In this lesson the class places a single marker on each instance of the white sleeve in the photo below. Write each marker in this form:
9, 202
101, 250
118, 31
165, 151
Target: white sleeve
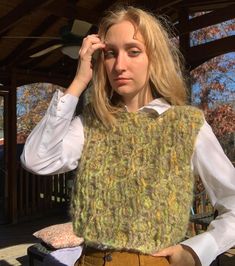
55, 144
218, 176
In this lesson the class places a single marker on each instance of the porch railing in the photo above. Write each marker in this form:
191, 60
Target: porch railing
42, 195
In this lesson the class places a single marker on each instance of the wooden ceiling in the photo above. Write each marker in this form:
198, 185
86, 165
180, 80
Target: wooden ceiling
27, 27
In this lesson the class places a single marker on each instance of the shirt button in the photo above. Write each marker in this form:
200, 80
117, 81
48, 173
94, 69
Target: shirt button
108, 257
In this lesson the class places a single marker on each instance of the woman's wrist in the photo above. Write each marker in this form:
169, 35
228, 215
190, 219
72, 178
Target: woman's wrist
193, 254
76, 87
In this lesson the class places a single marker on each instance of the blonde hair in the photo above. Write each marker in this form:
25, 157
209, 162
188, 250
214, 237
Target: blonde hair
165, 75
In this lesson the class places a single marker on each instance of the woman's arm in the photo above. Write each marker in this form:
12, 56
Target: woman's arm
218, 176
55, 144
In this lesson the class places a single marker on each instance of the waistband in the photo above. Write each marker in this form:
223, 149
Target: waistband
123, 257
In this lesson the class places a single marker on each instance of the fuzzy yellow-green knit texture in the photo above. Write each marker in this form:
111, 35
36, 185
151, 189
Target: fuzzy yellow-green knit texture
134, 186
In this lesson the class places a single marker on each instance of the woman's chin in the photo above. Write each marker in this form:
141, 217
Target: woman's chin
125, 91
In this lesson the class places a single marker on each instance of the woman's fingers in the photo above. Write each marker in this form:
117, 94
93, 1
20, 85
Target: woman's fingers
164, 252
89, 51
179, 255
90, 44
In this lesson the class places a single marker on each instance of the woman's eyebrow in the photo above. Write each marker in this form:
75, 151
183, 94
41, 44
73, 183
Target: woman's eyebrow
128, 44
134, 44
110, 45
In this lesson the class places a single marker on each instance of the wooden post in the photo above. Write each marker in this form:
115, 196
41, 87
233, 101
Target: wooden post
19, 78
184, 43
184, 38
12, 166
4, 92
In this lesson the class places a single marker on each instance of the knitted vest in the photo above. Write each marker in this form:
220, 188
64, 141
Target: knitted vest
134, 185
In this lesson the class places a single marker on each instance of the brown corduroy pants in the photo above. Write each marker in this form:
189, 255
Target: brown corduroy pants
93, 257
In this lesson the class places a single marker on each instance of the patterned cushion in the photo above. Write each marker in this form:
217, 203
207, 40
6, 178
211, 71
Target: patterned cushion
59, 236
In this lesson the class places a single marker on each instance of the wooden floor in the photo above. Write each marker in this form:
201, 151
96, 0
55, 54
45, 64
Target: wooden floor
14, 240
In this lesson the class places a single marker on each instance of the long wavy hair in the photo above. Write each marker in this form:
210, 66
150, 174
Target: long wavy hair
164, 71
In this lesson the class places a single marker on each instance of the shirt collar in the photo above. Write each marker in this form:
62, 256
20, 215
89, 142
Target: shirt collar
160, 105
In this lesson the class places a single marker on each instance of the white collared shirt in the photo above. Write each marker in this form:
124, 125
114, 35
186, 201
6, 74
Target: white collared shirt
56, 143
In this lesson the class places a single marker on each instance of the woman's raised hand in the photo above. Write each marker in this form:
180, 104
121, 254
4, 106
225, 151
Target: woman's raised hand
90, 44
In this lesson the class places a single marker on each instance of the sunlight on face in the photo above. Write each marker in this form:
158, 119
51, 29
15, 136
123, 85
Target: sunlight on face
125, 59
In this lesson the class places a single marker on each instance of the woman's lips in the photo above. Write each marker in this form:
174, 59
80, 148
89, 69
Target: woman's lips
121, 81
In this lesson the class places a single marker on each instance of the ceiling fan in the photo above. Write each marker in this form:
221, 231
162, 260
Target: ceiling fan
70, 39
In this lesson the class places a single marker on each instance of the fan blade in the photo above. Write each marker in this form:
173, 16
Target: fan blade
71, 51
80, 27
47, 50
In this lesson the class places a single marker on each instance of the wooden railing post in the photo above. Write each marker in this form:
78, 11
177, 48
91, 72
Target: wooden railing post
12, 162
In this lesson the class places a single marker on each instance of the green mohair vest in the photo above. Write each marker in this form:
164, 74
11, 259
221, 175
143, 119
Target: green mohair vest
134, 186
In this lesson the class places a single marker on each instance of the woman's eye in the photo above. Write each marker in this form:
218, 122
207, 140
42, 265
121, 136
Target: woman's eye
109, 54
134, 52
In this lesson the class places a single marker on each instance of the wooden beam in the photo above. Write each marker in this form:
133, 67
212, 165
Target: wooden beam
64, 65
189, 3
104, 5
65, 9
198, 6
24, 45
161, 4
206, 20
32, 63
184, 43
60, 62
12, 166
23, 77
199, 54
19, 12
71, 11
184, 39
4, 92
4, 33
212, 18
5, 77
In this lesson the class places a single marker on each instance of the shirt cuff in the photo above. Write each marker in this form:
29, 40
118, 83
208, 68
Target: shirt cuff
205, 246
62, 105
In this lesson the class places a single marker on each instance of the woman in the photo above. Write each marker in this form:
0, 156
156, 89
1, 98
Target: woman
138, 147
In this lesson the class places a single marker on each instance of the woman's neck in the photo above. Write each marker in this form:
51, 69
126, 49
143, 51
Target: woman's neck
134, 103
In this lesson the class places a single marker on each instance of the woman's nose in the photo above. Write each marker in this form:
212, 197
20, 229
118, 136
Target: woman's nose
121, 63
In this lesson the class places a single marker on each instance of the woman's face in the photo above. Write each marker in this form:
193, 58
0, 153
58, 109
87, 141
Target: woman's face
125, 60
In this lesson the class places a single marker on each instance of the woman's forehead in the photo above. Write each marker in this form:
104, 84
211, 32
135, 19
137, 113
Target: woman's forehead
124, 30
